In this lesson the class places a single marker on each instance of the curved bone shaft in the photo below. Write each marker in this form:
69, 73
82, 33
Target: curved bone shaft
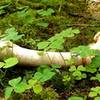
33, 58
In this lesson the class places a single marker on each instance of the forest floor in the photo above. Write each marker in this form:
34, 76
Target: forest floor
37, 21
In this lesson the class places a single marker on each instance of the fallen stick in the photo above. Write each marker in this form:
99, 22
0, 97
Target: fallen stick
27, 57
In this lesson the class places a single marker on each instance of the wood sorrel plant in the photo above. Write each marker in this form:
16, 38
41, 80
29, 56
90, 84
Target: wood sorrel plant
43, 74
56, 42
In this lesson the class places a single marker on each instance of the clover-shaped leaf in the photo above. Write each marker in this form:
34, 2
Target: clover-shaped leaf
72, 68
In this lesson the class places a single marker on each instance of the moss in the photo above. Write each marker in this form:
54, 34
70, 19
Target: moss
94, 9
49, 94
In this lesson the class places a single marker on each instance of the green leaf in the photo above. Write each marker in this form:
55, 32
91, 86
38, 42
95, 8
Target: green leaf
78, 78
54, 38
81, 68
84, 51
66, 78
76, 31
32, 82
91, 69
92, 94
15, 81
67, 33
18, 85
8, 92
43, 45
12, 34
75, 98
93, 78
97, 77
38, 76
77, 73
97, 98
55, 66
47, 75
47, 12
10, 30
10, 62
84, 75
96, 89
44, 75
72, 68
95, 61
57, 44
37, 88
21, 87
